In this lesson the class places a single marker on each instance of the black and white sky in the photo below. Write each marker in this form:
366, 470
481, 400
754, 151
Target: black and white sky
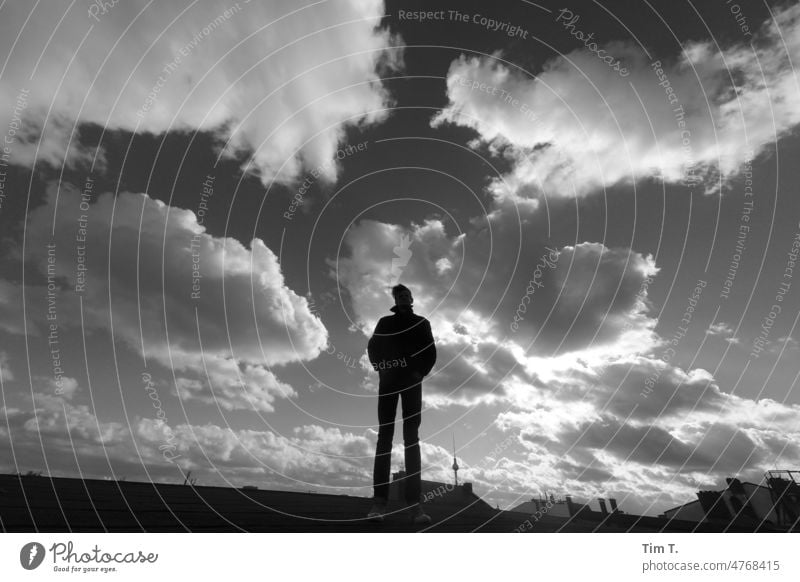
203, 205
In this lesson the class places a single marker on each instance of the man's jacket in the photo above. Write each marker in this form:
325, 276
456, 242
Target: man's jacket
401, 344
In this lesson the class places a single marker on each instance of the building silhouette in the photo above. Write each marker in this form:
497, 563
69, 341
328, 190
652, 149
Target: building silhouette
776, 502
31, 503
436, 492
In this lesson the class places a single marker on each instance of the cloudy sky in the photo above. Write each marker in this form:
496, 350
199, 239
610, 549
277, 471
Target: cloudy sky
203, 206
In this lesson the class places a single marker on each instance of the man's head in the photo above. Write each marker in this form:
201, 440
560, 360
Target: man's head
402, 296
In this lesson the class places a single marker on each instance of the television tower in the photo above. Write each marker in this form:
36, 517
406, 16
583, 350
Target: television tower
455, 462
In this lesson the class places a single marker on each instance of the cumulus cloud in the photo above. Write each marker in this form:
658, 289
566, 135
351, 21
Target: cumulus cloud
72, 426
229, 385
592, 303
64, 386
593, 296
50, 429
723, 330
585, 296
576, 127
469, 374
220, 331
275, 80
63, 437
370, 266
579, 387
55, 434
328, 459
656, 444
782, 344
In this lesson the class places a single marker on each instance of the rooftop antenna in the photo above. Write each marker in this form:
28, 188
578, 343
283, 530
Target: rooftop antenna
455, 462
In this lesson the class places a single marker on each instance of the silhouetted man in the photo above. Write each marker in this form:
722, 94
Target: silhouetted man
403, 352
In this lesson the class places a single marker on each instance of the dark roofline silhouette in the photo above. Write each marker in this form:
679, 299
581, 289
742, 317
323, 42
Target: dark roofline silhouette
56, 504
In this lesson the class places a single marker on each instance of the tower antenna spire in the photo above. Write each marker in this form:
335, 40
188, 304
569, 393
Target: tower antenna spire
455, 461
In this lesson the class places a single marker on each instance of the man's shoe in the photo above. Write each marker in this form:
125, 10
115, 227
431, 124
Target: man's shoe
377, 510
418, 516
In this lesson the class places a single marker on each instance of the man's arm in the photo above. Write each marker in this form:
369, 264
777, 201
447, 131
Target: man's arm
376, 345
428, 355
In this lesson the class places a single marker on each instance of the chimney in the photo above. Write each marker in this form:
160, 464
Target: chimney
613, 503
603, 509
466, 488
570, 505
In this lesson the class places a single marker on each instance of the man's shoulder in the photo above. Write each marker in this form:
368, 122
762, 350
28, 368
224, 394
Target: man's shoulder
415, 318
385, 320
